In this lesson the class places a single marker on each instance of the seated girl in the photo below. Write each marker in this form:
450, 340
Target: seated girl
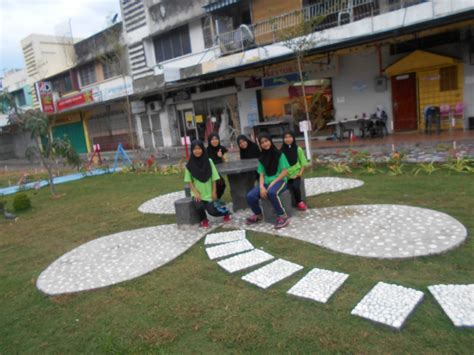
201, 174
272, 167
248, 149
297, 160
217, 152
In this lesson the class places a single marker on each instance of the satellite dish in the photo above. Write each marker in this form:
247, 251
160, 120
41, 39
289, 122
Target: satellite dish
247, 35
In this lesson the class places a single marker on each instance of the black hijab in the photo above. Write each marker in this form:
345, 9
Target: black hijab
251, 152
290, 150
212, 151
200, 168
269, 158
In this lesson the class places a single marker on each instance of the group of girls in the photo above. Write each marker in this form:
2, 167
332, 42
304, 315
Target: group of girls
278, 169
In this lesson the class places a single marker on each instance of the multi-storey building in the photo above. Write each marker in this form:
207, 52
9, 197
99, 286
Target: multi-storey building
225, 64
13, 142
46, 56
88, 101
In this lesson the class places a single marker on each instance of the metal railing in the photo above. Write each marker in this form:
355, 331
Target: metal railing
332, 13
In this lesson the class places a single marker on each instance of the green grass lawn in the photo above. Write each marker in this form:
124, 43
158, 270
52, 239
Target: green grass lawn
192, 305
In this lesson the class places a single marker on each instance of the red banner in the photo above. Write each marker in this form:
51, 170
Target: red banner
46, 97
77, 100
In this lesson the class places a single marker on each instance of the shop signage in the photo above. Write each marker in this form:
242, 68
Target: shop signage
312, 69
297, 91
253, 82
138, 106
83, 98
283, 80
45, 90
116, 89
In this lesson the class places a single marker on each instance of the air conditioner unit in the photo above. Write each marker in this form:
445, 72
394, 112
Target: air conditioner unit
154, 106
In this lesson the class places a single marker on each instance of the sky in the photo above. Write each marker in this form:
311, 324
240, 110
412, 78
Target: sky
20, 18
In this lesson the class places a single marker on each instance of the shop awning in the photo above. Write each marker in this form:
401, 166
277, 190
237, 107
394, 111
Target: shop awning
419, 60
219, 4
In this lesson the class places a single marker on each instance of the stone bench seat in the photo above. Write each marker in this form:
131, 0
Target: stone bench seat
269, 214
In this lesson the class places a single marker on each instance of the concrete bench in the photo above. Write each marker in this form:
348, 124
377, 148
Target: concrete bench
185, 212
303, 193
269, 214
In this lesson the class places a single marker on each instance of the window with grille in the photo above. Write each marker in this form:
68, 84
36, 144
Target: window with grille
110, 68
172, 44
87, 74
62, 84
448, 78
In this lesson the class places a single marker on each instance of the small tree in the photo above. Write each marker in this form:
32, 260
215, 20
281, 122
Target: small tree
112, 53
46, 148
299, 38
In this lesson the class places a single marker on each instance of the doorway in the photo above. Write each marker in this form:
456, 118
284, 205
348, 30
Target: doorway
404, 102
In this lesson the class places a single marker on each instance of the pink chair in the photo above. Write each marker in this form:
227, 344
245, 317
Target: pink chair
459, 113
444, 110
444, 113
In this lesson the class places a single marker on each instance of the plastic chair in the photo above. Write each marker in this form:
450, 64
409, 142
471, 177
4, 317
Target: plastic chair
459, 113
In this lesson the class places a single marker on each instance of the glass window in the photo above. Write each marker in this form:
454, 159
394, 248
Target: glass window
172, 44
87, 74
20, 98
67, 83
167, 48
110, 68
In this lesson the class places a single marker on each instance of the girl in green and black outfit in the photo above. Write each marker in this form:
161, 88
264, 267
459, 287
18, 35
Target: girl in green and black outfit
201, 174
297, 160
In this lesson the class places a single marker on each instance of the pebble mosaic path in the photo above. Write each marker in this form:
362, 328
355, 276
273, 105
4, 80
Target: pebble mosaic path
272, 273
318, 285
245, 260
227, 249
388, 304
457, 302
115, 258
374, 231
164, 204
382, 231
224, 237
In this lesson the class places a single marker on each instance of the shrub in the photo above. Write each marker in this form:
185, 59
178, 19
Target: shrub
2, 206
21, 202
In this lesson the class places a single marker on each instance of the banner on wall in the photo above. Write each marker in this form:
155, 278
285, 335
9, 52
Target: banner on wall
82, 98
45, 90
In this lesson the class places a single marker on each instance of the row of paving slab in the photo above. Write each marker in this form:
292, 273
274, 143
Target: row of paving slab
388, 304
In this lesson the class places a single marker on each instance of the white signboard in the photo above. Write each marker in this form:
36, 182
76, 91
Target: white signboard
138, 106
305, 126
171, 74
116, 88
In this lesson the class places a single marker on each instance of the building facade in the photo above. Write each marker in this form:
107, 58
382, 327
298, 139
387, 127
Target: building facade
14, 142
225, 65
88, 101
